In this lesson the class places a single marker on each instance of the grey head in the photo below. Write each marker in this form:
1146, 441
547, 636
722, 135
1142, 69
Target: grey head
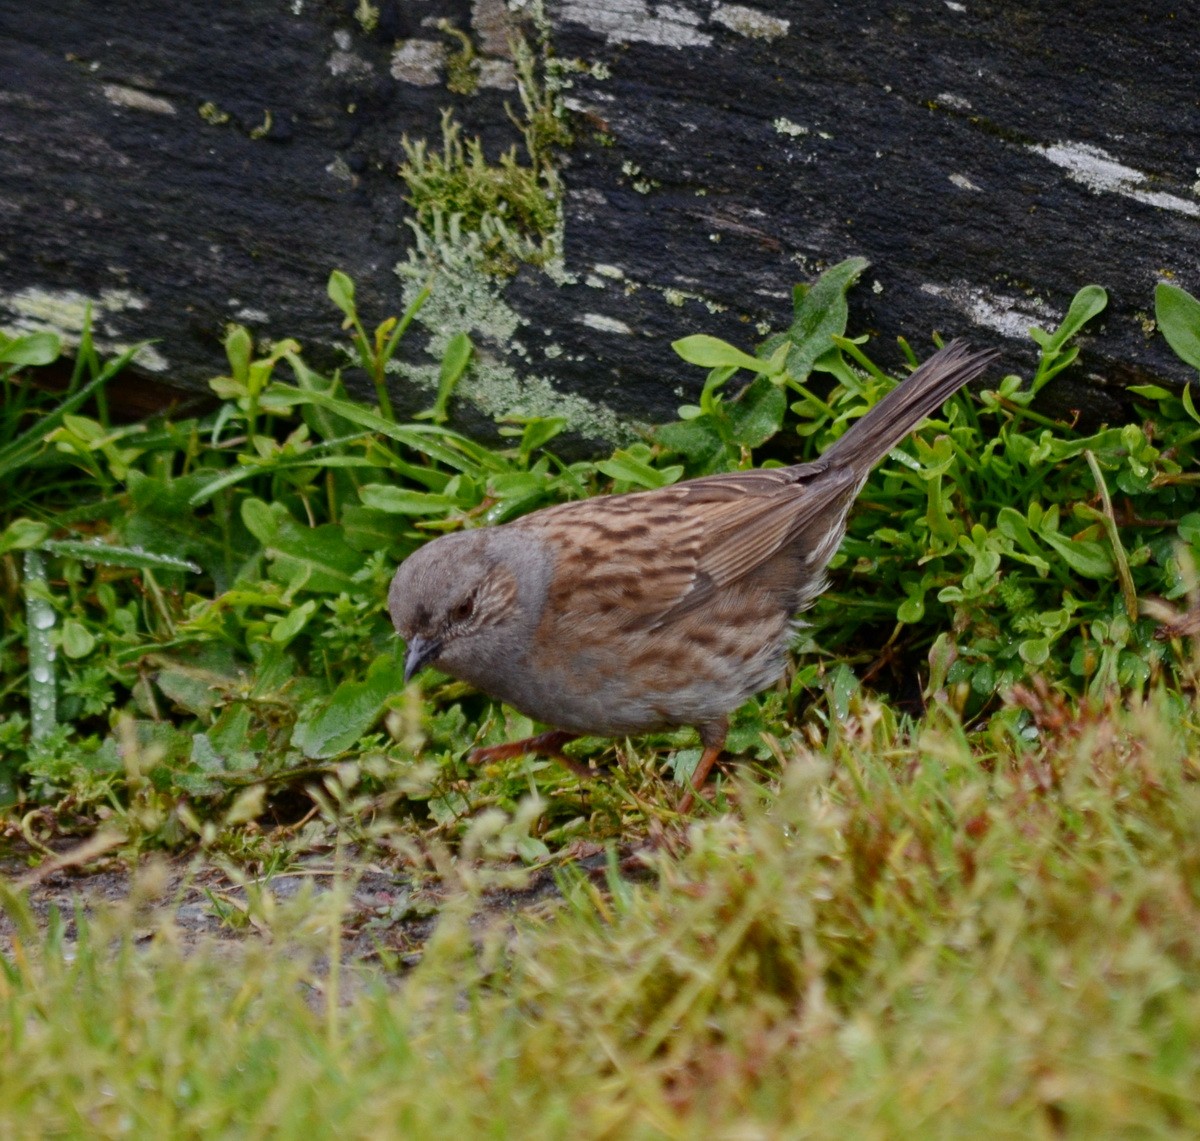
470, 602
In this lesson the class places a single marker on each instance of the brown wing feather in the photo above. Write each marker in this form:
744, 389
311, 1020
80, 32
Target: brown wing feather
618, 543
768, 518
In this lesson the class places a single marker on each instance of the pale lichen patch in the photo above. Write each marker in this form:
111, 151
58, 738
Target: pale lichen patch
633, 21
65, 310
498, 74
248, 315
419, 62
787, 127
339, 169
1004, 314
347, 64
954, 102
750, 22
136, 100
476, 223
602, 323
492, 25
466, 299
1101, 173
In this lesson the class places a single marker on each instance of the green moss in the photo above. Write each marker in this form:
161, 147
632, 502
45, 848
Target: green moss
212, 114
462, 68
495, 200
515, 203
367, 15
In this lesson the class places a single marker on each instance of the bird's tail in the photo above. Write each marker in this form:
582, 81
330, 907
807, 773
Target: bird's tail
911, 401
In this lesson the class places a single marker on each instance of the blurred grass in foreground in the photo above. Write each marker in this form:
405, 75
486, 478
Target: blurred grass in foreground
921, 939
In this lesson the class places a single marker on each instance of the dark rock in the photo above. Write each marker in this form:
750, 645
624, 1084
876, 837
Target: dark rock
185, 168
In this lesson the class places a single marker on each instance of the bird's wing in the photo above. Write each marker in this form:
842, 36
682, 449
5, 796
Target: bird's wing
655, 555
747, 517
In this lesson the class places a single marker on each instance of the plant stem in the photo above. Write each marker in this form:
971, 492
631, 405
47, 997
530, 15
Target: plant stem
1128, 590
40, 619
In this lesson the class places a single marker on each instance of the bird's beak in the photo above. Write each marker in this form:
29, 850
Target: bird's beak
421, 651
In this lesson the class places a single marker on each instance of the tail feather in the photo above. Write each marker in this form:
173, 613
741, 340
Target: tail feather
910, 402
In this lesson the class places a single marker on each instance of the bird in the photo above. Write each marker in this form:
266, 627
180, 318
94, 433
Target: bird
626, 614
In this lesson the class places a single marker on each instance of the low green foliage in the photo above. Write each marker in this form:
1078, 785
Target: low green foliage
912, 938
215, 585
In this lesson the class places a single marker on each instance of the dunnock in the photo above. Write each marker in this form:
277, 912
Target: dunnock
624, 614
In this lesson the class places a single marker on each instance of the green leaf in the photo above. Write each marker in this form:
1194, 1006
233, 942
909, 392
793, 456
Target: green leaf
22, 534
1150, 391
335, 725
438, 443
1055, 356
196, 690
626, 468
402, 501
697, 439
316, 559
284, 630
449, 808
983, 679
1084, 556
230, 733
18, 453
1034, 651
161, 520
841, 686
1188, 403
341, 292
538, 433
368, 530
1089, 302
260, 520
111, 555
912, 609
31, 350
821, 313
1189, 528
454, 363
77, 640
456, 357
1178, 315
712, 352
1012, 524
756, 415
239, 349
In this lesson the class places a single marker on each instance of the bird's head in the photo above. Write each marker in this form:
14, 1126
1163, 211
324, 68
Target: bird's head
456, 603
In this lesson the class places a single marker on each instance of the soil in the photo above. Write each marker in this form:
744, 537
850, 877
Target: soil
388, 916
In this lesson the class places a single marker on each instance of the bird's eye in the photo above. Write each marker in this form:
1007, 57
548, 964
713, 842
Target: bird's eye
463, 610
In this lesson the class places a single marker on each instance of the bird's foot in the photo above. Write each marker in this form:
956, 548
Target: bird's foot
544, 745
707, 759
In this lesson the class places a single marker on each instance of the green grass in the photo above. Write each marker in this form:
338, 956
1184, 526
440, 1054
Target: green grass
909, 937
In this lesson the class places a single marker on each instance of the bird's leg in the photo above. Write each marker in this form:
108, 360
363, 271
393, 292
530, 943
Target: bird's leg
712, 737
544, 745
